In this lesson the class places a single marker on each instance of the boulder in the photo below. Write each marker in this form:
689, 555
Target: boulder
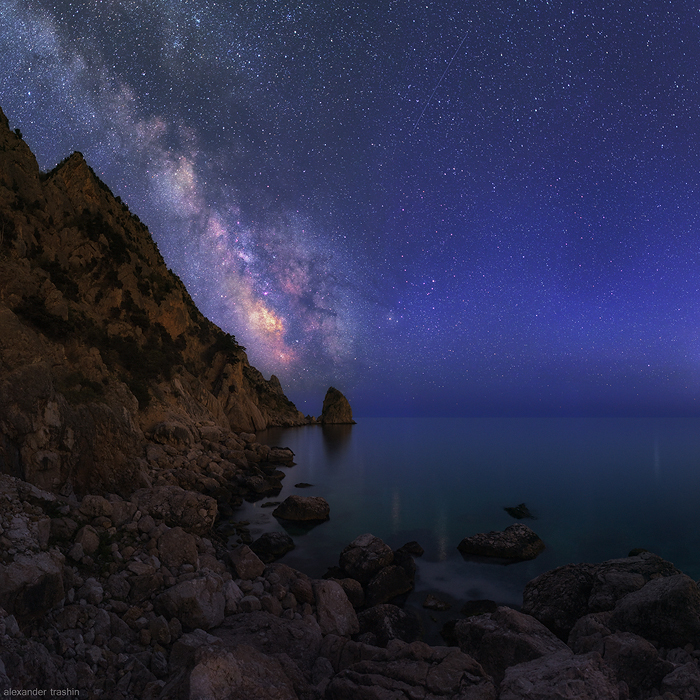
364, 557
559, 597
387, 583
192, 511
245, 563
336, 408
634, 661
505, 638
517, 542
172, 433
615, 578
303, 508
31, 585
666, 610
682, 683
281, 455
271, 546
407, 671
353, 590
335, 613
197, 603
88, 539
177, 547
561, 675
91, 592
94, 506
240, 673
185, 648
382, 623
300, 639
412, 548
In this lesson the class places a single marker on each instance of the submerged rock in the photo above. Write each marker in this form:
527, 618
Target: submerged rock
336, 408
432, 602
517, 542
520, 511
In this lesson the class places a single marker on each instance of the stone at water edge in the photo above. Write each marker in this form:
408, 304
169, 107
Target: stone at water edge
272, 545
303, 508
244, 563
336, 408
363, 558
517, 542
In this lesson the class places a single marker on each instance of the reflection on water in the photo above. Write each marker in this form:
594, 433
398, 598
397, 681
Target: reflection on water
336, 438
657, 458
596, 485
441, 534
395, 512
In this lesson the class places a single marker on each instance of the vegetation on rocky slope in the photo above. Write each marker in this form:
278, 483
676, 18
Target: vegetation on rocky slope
97, 331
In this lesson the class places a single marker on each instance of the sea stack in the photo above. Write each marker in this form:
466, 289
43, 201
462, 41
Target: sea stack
336, 408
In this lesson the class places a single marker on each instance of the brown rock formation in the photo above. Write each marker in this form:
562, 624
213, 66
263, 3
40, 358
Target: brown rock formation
100, 341
336, 408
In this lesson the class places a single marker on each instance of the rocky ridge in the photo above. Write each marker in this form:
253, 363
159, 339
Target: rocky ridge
101, 345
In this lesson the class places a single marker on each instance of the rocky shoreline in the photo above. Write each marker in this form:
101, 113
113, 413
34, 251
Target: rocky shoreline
140, 597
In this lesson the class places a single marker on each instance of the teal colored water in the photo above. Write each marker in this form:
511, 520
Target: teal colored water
598, 487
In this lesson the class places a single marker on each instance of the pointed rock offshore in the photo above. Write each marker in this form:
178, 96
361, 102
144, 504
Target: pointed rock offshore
336, 408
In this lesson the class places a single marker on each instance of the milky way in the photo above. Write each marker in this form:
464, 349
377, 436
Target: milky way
438, 208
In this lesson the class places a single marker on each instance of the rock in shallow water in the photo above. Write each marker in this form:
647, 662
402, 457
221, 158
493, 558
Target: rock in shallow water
517, 542
336, 408
520, 511
303, 508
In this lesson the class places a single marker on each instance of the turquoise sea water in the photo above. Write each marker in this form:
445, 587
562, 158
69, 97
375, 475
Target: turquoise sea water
598, 486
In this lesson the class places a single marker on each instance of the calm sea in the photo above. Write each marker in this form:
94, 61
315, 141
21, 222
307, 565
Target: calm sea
597, 486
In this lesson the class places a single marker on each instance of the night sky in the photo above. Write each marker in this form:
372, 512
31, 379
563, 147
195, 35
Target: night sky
439, 208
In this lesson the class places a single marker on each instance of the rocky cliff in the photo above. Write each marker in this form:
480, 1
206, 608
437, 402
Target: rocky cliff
101, 345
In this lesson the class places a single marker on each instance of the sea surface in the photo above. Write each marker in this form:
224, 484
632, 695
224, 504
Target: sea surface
597, 486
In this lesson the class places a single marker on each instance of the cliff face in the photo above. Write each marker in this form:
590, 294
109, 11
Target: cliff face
99, 342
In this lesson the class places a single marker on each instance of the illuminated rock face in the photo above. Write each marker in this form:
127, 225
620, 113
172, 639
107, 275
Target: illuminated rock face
101, 343
336, 408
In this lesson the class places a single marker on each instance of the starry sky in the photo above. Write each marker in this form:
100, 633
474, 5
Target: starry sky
440, 208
